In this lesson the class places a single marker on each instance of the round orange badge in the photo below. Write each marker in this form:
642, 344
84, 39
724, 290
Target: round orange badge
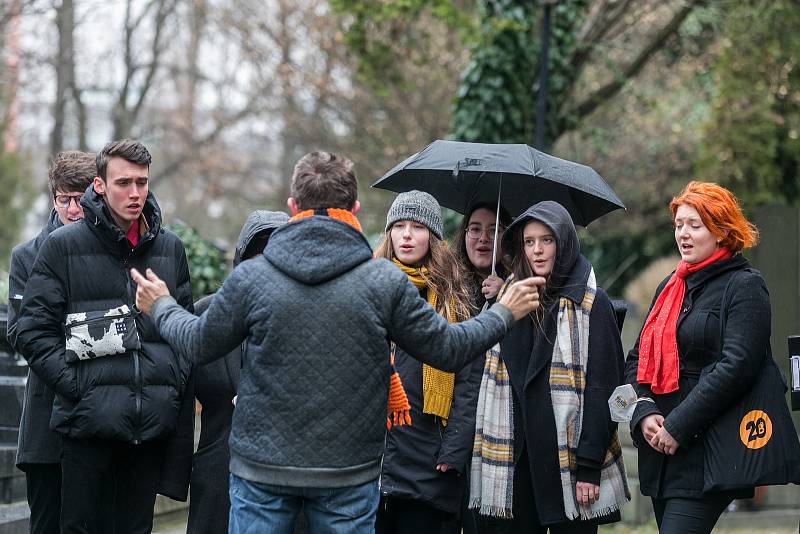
755, 429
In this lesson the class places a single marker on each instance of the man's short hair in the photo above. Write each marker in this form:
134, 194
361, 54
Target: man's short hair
70, 172
324, 180
127, 149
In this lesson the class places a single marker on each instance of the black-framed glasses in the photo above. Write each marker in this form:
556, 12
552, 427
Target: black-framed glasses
62, 201
475, 232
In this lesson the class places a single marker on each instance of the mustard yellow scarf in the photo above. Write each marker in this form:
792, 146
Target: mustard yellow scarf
437, 386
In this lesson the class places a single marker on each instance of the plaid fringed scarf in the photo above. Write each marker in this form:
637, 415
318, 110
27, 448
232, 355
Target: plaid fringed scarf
567, 381
437, 386
398, 408
492, 471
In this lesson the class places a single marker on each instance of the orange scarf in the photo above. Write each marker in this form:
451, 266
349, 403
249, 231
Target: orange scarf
398, 408
334, 213
658, 343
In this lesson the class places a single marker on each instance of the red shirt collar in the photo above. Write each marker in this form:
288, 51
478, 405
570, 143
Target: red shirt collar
133, 233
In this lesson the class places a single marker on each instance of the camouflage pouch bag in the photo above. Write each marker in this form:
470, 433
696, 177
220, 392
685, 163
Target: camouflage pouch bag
96, 334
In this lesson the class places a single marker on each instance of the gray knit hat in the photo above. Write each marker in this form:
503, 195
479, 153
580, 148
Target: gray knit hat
416, 206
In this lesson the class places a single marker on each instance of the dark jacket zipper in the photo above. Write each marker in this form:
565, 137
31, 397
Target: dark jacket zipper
137, 374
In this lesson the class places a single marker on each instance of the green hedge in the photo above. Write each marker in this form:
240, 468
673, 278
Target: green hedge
207, 265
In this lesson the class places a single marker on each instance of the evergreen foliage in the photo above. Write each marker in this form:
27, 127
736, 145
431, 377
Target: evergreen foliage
207, 265
751, 141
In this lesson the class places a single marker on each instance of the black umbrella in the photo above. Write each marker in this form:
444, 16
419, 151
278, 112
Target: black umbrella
516, 176
461, 174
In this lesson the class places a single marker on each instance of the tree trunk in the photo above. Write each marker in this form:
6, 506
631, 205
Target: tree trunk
64, 65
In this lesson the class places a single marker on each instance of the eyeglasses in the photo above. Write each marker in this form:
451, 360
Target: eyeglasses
475, 232
62, 201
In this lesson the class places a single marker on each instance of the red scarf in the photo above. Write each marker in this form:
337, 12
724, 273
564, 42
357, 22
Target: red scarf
658, 344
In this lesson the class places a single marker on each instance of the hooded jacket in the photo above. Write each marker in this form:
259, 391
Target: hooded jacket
85, 266
215, 386
527, 351
318, 314
36, 444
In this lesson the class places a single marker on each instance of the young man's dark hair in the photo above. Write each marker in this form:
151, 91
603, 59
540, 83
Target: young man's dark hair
127, 149
324, 180
119, 389
38, 447
69, 171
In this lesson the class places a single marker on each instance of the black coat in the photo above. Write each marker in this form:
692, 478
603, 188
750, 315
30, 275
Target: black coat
37, 444
696, 403
527, 351
132, 397
215, 387
413, 451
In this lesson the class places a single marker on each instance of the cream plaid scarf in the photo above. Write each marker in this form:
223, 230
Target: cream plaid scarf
492, 470
567, 381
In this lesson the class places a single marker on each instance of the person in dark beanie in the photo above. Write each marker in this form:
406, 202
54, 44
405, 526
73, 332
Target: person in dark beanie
117, 383
215, 387
318, 315
39, 448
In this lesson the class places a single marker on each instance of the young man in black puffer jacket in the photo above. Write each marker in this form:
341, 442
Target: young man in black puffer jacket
115, 411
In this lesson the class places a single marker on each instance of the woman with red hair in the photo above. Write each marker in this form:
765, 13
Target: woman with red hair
680, 337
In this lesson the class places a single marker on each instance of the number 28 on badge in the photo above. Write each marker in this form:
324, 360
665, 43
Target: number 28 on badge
755, 430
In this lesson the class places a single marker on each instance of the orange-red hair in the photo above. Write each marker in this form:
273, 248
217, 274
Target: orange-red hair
720, 212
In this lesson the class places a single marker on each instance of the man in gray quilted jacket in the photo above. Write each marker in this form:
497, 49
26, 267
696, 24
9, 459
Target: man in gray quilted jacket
318, 314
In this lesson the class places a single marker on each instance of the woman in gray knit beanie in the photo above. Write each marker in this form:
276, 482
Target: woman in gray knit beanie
419, 481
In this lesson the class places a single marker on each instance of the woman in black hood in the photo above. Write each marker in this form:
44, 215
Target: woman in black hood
561, 468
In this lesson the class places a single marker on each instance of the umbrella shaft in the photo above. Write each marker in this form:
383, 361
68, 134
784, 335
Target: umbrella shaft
496, 228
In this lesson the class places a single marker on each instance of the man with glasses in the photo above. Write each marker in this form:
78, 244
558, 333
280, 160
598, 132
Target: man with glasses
39, 448
118, 385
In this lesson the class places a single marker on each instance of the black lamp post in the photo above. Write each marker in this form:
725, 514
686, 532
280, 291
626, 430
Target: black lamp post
544, 59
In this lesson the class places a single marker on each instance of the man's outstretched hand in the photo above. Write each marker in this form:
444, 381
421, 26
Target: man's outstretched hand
149, 289
523, 297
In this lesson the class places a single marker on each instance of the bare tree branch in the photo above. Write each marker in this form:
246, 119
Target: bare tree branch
602, 17
613, 87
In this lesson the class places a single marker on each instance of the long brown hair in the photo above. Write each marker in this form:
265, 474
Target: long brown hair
445, 274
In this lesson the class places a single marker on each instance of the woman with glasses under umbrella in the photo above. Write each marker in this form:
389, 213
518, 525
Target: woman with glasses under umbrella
473, 245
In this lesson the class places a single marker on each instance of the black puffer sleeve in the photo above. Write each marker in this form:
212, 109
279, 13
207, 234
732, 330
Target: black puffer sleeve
40, 334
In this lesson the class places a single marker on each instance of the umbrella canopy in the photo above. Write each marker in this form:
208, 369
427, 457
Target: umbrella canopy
460, 174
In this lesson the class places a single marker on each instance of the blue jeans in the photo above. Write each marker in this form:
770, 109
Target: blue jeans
258, 508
